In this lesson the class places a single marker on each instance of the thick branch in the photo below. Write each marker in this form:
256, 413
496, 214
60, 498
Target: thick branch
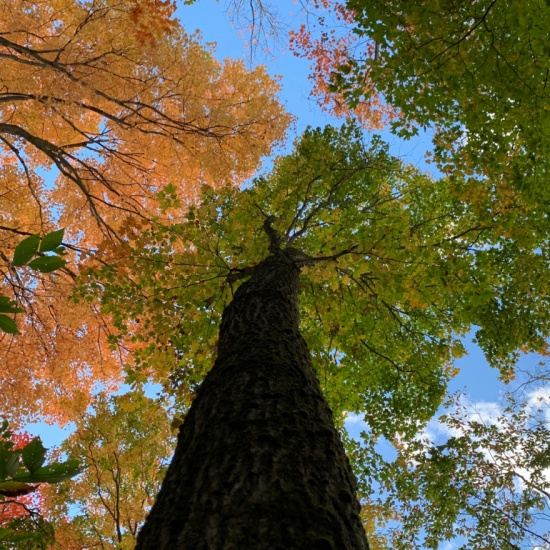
272, 234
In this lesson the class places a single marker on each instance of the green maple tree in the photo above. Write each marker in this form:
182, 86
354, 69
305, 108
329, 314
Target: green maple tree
395, 267
475, 72
401, 266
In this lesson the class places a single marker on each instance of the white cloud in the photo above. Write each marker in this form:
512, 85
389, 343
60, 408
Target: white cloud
539, 401
352, 418
493, 413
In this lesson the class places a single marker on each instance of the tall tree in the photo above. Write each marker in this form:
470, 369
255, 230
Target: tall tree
259, 463
102, 105
392, 267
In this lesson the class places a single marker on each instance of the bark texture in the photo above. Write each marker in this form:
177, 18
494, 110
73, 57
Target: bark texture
259, 464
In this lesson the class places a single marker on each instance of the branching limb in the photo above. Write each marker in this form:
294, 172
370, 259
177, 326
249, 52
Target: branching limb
238, 274
302, 259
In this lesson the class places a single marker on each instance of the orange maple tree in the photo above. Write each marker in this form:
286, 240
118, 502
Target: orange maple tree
103, 106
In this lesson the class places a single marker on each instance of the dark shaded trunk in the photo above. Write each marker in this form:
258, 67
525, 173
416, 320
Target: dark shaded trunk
259, 464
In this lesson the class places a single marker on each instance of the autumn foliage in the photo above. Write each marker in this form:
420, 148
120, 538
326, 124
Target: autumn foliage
102, 105
326, 38
124, 443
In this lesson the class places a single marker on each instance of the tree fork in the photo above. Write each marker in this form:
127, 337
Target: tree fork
259, 463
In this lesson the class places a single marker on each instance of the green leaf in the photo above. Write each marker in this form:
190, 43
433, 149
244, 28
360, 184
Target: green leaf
9, 462
20, 537
52, 240
53, 473
33, 455
47, 264
25, 250
14, 488
7, 324
9, 306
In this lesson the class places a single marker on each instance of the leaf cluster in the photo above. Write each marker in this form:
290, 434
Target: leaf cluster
32, 251
475, 72
485, 486
21, 472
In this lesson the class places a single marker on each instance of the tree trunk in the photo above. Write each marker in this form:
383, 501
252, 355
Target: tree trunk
259, 464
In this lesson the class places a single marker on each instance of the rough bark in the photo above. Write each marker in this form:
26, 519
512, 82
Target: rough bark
259, 464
